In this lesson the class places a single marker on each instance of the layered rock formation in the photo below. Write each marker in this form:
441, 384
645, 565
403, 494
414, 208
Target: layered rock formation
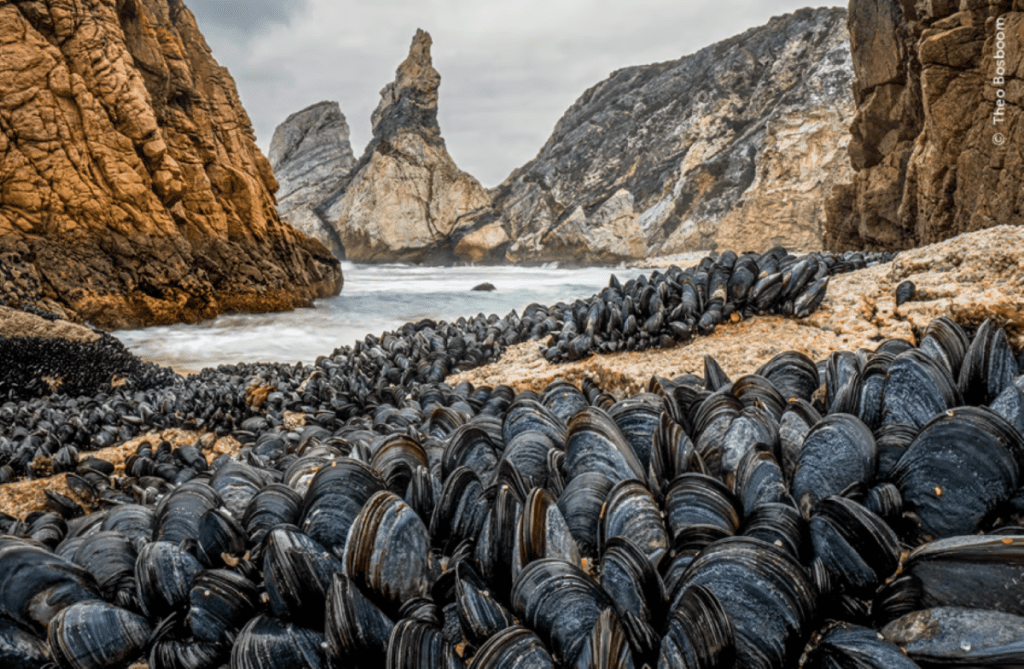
131, 188
736, 146
311, 157
405, 200
937, 136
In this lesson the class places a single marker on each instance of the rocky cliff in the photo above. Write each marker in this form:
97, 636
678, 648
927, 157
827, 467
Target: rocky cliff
937, 134
311, 157
736, 146
405, 200
131, 188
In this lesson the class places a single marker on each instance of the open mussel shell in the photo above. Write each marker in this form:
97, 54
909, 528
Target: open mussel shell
959, 637
699, 633
846, 645
266, 643
164, 573
962, 465
594, 443
543, 533
856, 546
917, 388
97, 635
631, 512
837, 453
700, 500
388, 552
220, 601
765, 593
35, 584
356, 630
416, 644
561, 603
19, 649
335, 496
297, 573
480, 616
969, 571
513, 648
988, 367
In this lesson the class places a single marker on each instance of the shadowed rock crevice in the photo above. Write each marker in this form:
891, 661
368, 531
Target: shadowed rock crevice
936, 154
131, 189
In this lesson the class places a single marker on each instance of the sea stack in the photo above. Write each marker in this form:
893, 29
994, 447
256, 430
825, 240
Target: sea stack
406, 200
937, 133
131, 189
312, 157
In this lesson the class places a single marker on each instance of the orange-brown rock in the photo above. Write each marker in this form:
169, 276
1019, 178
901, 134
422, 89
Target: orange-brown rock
936, 141
131, 188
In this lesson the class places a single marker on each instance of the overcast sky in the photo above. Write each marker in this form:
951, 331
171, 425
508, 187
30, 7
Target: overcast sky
508, 70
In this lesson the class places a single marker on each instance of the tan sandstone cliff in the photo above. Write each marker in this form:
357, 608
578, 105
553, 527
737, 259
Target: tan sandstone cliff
131, 188
937, 138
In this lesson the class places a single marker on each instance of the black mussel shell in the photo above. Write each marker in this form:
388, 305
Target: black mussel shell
297, 573
856, 546
221, 601
415, 644
951, 636
905, 292
356, 630
266, 643
695, 500
543, 533
631, 512
594, 443
480, 616
793, 374
36, 585
846, 645
916, 389
334, 498
164, 573
19, 649
513, 648
699, 633
837, 453
988, 367
97, 635
945, 342
962, 465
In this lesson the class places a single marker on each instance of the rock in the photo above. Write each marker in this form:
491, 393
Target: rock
406, 200
485, 287
131, 189
481, 245
934, 145
969, 278
311, 157
736, 146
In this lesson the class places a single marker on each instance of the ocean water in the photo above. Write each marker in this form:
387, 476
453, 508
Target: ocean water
375, 299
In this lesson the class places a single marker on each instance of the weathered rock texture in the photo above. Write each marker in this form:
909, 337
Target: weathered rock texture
405, 200
311, 157
736, 146
930, 103
131, 188
968, 278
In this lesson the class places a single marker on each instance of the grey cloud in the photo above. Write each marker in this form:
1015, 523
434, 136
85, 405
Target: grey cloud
247, 17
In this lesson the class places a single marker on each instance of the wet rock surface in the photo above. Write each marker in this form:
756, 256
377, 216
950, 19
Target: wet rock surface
934, 141
132, 189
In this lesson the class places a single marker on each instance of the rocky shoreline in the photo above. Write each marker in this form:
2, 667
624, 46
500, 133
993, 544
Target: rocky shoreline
229, 436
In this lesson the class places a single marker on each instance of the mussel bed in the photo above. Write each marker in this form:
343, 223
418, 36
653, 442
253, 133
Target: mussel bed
862, 510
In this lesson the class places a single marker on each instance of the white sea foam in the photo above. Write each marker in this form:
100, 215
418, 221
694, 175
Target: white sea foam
376, 298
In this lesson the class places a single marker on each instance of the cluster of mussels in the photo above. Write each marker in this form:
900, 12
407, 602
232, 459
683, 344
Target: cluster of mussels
707, 522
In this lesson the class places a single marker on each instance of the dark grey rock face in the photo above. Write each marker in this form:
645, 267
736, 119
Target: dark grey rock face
734, 146
311, 157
